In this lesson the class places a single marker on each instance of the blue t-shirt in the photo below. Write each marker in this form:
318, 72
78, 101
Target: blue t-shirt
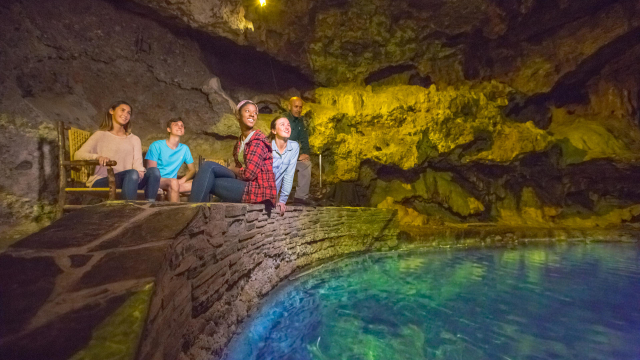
169, 160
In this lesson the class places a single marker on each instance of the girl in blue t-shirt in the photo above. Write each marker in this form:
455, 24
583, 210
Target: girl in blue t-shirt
168, 156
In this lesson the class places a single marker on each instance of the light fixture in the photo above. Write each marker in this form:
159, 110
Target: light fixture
263, 2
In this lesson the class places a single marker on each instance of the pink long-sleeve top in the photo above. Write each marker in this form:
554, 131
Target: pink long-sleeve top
127, 151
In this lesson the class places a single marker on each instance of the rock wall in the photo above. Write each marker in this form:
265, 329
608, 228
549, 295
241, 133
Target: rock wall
69, 60
455, 155
489, 102
531, 45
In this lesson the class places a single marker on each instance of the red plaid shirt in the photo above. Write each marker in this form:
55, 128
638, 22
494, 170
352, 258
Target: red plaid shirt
258, 173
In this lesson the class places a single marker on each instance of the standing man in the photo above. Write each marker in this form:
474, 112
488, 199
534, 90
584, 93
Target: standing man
303, 166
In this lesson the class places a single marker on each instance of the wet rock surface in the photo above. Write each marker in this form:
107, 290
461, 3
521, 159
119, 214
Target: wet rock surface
62, 338
97, 221
26, 285
60, 284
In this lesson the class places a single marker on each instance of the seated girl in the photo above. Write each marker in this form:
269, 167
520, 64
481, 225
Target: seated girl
114, 141
250, 179
285, 158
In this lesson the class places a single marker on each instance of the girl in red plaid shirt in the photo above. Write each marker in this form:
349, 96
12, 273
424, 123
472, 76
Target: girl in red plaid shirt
251, 178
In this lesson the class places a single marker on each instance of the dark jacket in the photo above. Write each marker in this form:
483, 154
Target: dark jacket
299, 132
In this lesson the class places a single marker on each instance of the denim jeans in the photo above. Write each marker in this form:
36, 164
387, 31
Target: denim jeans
213, 178
129, 181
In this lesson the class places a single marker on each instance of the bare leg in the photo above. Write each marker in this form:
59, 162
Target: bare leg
186, 187
172, 187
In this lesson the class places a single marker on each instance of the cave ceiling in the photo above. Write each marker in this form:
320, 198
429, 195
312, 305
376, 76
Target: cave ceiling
531, 45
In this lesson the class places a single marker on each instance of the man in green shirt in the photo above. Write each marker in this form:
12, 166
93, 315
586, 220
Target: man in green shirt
303, 167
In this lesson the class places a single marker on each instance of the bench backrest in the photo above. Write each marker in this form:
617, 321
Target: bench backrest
222, 162
78, 137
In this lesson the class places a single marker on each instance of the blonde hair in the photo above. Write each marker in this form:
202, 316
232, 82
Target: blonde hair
107, 121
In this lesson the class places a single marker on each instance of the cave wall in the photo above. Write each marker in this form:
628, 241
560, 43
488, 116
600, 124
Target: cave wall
69, 60
528, 44
454, 156
509, 111
495, 106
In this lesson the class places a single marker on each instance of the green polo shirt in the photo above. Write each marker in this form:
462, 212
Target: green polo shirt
299, 132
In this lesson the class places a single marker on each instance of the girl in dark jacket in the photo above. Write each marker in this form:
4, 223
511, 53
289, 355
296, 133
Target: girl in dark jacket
250, 179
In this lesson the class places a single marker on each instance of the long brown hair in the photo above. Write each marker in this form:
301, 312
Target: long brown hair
107, 121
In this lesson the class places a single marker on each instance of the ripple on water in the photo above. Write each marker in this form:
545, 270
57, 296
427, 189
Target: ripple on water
561, 302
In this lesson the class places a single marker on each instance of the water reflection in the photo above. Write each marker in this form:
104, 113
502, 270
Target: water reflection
561, 302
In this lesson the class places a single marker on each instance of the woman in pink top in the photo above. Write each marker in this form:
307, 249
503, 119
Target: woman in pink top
114, 141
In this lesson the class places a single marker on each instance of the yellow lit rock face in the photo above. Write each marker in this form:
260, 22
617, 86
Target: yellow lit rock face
406, 216
543, 64
404, 125
367, 39
438, 187
602, 218
511, 140
352, 41
584, 138
529, 211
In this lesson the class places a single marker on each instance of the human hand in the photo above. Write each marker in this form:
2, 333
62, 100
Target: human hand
141, 173
304, 157
282, 208
102, 160
235, 170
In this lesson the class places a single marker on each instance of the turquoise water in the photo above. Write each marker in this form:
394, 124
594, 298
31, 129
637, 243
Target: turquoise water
561, 302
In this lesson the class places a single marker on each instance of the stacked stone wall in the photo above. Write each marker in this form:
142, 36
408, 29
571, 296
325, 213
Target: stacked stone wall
230, 256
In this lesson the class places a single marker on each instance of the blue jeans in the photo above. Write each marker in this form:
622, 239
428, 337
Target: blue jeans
213, 178
129, 181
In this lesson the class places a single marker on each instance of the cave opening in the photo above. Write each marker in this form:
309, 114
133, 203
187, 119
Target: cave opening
257, 71
239, 67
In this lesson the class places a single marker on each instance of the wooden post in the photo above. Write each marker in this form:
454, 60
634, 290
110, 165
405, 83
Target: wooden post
112, 183
320, 166
62, 195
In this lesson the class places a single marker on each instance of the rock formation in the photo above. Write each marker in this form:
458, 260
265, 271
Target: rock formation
517, 111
